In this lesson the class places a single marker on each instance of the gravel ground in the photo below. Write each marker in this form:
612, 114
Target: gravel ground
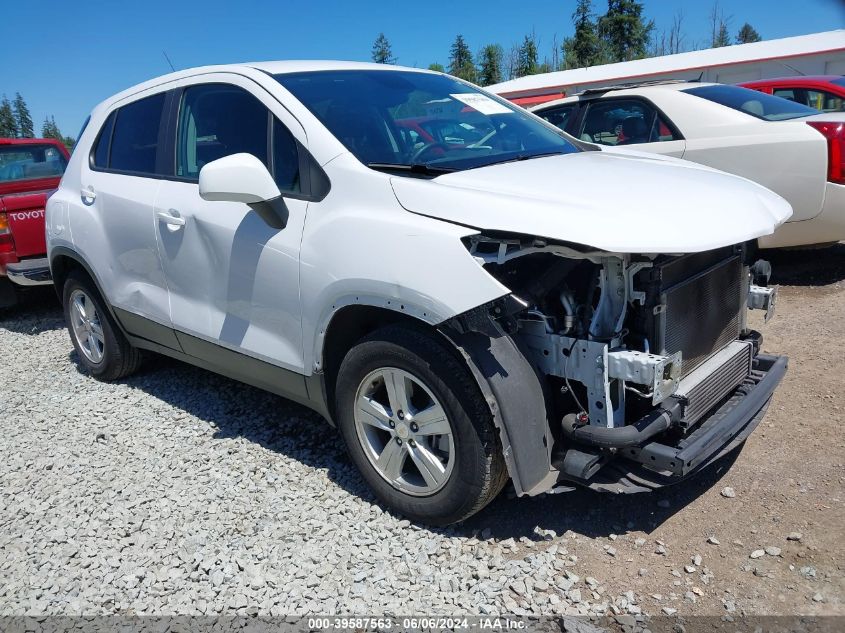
181, 492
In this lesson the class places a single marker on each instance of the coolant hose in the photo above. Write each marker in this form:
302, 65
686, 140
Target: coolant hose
648, 426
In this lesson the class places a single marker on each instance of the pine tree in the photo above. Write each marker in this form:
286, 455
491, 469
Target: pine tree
527, 61
624, 31
490, 65
584, 47
49, 129
8, 123
460, 60
747, 34
437, 67
24, 119
382, 53
723, 38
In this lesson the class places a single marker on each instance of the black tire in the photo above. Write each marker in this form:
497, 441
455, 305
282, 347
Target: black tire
119, 358
479, 472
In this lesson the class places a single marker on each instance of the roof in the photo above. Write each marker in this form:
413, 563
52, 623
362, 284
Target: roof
295, 66
270, 67
693, 60
29, 141
536, 100
627, 89
796, 78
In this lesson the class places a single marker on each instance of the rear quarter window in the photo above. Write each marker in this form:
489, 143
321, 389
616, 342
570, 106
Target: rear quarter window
751, 102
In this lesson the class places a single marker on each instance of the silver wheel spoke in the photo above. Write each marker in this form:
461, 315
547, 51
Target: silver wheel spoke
429, 466
432, 421
97, 329
79, 310
373, 413
392, 459
397, 391
94, 348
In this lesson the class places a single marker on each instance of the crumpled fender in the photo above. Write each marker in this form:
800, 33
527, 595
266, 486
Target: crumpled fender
515, 395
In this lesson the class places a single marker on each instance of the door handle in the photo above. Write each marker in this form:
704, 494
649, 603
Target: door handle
88, 195
171, 218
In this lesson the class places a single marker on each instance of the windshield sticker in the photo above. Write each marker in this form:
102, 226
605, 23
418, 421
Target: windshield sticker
482, 103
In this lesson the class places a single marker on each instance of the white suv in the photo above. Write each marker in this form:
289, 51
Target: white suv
468, 293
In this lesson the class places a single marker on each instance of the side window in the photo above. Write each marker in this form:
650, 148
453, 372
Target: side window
624, 122
285, 158
559, 116
100, 156
825, 101
134, 141
791, 94
217, 120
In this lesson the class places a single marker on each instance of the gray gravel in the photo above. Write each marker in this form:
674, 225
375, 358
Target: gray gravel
180, 492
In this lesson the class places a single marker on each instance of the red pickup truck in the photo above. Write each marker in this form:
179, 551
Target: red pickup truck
30, 170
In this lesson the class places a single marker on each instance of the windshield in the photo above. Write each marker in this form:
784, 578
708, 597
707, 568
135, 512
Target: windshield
26, 162
839, 81
753, 103
421, 122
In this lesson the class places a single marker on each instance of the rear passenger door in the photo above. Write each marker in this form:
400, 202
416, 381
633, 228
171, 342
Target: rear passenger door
630, 122
233, 280
115, 232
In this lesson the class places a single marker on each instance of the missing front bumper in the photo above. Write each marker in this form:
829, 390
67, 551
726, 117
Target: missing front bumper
657, 463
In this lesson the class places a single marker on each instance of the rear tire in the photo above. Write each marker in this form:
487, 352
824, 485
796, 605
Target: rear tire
439, 460
100, 345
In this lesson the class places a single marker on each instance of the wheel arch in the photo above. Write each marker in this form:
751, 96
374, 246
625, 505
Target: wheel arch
63, 261
347, 325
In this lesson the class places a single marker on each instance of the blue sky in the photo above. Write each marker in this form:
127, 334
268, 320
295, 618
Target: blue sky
64, 57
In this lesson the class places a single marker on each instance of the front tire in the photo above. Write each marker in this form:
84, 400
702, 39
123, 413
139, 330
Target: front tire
417, 426
100, 345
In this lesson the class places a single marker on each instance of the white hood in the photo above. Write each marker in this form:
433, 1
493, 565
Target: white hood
618, 201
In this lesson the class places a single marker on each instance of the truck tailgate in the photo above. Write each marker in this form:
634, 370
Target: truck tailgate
25, 213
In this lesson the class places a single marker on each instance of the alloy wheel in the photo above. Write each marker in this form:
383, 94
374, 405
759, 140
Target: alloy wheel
87, 327
404, 431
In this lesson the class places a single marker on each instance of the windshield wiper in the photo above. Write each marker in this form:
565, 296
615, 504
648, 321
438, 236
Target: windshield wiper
414, 168
521, 157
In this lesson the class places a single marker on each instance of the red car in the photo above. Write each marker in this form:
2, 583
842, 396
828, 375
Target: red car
822, 92
30, 170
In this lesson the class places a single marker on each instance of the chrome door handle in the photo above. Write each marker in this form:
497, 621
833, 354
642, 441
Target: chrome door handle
172, 221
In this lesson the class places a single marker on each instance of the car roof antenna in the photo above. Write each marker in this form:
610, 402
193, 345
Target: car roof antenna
168, 61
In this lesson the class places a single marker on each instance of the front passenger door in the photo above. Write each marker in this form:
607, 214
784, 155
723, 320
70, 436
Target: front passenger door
233, 280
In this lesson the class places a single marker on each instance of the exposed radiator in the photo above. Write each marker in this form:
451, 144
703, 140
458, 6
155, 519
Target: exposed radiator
702, 312
719, 375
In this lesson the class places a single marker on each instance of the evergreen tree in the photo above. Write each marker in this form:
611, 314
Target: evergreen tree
490, 65
49, 129
24, 119
584, 47
382, 53
460, 60
722, 37
747, 34
437, 67
624, 31
8, 123
719, 32
527, 60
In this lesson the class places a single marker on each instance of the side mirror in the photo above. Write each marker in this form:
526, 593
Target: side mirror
244, 178
237, 178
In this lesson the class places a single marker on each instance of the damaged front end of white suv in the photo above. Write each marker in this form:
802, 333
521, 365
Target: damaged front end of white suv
620, 372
